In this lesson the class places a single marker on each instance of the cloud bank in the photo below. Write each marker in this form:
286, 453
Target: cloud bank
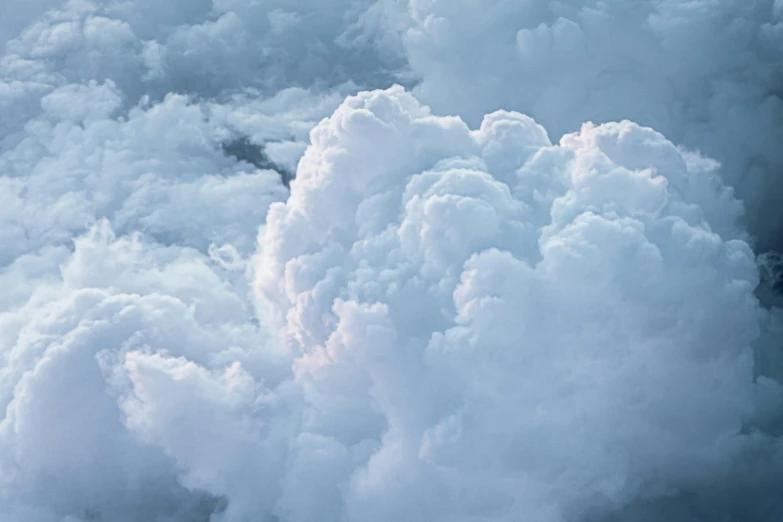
705, 73
230, 293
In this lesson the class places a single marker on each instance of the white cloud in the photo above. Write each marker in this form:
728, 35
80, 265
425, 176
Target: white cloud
696, 71
446, 318
556, 353
66, 449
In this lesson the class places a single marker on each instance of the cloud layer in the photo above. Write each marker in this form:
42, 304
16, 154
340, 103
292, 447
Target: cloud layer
453, 312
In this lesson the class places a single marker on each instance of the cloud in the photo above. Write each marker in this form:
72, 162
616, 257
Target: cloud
67, 452
480, 316
695, 71
487, 351
203, 47
161, 169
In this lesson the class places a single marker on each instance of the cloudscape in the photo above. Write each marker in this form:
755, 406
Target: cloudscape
391, 260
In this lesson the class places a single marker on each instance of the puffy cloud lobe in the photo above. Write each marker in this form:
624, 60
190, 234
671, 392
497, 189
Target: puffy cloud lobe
160, 170
67, 451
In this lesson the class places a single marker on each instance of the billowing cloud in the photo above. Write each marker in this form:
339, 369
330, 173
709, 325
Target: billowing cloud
534, 330
229, 293
66, 451
705, 73
162, 169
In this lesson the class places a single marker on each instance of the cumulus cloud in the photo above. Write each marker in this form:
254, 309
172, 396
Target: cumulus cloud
162, 169
67, 452
203, 47
696, 71
229, 293
534, 330
121, 110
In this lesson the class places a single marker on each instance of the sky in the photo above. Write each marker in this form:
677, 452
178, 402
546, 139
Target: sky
373, 261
